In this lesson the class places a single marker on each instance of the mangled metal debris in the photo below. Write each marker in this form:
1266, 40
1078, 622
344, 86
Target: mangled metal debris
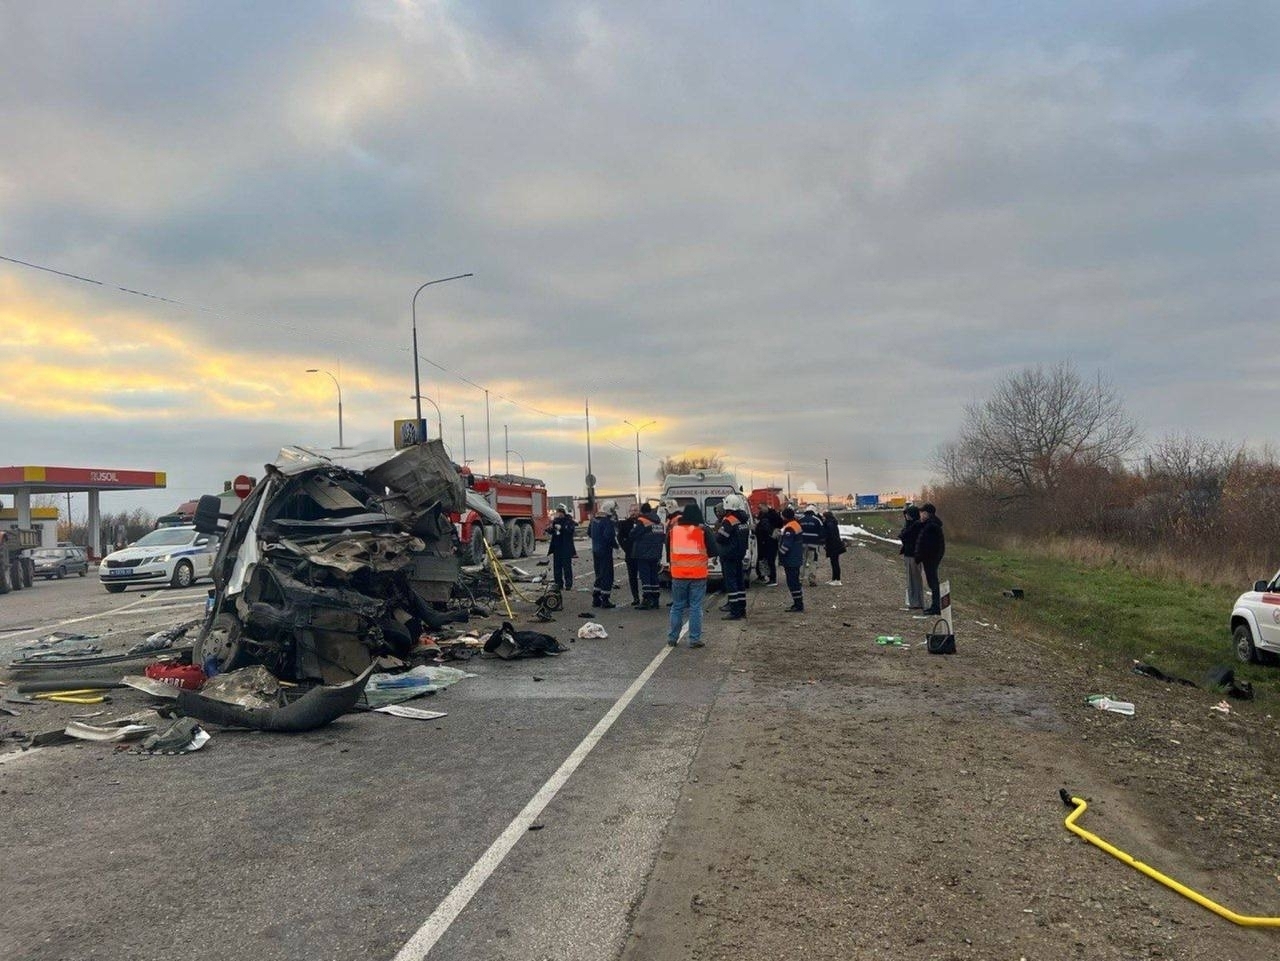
335, 558
319, 706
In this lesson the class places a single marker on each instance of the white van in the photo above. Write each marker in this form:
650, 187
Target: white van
708, 491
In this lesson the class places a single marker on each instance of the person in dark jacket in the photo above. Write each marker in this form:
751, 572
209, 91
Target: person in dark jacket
814, 535
733, 539
768, 524
931, 545
561, 548
910, 531
791, 550
625, 527
648, 539
603, 531
833, 543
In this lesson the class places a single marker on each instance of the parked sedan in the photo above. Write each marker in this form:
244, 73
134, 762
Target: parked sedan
60, 561
170, 555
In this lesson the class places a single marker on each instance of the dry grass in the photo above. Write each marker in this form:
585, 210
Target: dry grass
1161, 563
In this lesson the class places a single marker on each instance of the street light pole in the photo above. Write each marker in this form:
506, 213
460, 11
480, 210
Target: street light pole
439, 417
464, 439
488, 433
506, 443
523, 470
413, 307
638, 430
317, 370
826, 467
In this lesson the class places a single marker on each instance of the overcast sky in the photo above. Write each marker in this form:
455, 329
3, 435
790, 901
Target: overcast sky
784, 232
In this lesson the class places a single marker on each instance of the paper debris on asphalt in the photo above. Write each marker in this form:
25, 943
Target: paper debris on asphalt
403, 710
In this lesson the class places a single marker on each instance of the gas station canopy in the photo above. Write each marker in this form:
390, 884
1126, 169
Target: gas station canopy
22, 482
61, 480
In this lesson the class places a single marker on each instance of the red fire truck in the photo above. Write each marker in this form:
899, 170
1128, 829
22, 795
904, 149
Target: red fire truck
765, 497
507, 510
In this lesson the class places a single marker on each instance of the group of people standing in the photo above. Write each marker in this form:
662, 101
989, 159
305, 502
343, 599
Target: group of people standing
923, 545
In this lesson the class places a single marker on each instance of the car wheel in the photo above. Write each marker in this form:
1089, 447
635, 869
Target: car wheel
114, 588
85, 572
1242, 638
221, 642
184, 575
62, 572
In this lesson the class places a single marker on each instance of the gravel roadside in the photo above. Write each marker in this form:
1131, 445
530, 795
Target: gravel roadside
856, 801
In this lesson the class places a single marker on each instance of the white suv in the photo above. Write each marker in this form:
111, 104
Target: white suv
169, 555
1255, 623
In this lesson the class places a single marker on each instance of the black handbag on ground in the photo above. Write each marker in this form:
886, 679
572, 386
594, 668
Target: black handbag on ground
943, 643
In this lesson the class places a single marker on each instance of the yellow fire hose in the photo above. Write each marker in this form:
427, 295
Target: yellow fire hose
1081, 806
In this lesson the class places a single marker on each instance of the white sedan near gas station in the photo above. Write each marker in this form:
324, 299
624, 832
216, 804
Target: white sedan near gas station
177, 556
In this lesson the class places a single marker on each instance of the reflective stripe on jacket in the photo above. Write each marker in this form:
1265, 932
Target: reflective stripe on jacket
688, 552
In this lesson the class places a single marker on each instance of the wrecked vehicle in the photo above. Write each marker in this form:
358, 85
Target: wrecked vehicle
335, 558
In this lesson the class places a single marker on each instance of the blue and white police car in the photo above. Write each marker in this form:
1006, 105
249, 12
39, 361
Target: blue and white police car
177, 556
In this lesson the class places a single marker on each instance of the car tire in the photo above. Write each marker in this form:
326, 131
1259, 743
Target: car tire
220, 640
184, 575
114, 588
62, 572
1242, 641
85, 572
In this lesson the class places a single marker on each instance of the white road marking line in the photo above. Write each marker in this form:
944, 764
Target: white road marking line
73, 620
18, 755
142, 606
434, 928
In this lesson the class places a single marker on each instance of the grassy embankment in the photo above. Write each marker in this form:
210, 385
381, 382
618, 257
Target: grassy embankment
1119, 615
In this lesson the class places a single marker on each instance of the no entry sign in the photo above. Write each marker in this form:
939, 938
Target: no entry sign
242, 485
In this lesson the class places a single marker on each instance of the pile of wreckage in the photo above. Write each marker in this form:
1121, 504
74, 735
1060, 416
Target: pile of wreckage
332, 583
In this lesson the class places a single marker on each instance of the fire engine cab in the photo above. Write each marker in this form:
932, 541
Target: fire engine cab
508, 511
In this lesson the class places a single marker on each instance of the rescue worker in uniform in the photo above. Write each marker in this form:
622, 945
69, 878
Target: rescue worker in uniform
791, 550
691, 546
733, 538
561, 548
625, 527
603, 531
814, 537
648, 540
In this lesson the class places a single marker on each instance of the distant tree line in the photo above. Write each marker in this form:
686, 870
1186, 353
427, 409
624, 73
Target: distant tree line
1051, 455
134, 523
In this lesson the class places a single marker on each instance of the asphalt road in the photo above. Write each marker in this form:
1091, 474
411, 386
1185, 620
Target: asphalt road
342, 842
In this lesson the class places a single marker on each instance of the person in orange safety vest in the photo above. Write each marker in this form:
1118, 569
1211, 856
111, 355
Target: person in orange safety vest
690, 545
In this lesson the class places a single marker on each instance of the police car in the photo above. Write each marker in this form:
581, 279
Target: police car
1255, 623
169, 555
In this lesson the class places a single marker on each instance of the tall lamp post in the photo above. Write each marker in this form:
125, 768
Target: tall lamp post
638, 430
317, 370
413, 307
439, 419
523, 471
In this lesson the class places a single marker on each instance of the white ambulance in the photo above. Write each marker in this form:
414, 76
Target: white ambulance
708, 490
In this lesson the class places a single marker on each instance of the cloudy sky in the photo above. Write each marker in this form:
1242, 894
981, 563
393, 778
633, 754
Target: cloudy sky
784, 232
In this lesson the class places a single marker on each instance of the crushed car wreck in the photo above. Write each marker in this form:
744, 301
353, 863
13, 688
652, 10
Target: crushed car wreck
333, 559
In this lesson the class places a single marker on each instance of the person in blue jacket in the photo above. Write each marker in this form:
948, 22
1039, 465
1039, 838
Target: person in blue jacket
603, 531
791, 551
561, 548
733, 537
814, 537
648, 540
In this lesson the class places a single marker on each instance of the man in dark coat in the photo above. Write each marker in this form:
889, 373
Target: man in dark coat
931, 544
561, 548
834, 545
733, 541
629, 552
603, 531
648, 539
910, 531
768, 527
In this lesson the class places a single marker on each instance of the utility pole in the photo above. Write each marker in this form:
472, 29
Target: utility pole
826, 467
464, 439
488, 433
591, 478
638, 430
506, 446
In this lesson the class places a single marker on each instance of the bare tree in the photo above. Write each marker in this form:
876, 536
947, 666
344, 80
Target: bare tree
1038, 424
689, 464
